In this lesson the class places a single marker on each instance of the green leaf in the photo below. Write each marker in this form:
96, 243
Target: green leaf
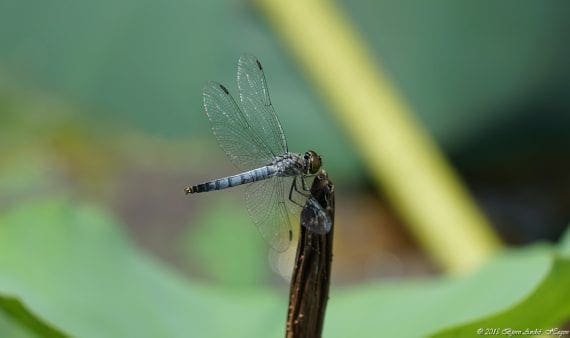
72, 266
544, 308
17, 321
421, 308
67, 267
226, 245
564, 247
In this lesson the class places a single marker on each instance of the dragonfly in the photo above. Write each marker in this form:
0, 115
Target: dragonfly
250, 134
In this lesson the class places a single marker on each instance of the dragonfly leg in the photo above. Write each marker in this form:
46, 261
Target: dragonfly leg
305, 186
294, 187
305, 191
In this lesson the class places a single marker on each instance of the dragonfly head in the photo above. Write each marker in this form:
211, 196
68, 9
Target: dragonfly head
312, 162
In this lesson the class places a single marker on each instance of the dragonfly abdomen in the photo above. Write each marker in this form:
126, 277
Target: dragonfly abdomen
249, 176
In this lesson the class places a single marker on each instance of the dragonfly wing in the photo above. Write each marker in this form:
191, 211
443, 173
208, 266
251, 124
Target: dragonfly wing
256, 104
266, 207
234, 133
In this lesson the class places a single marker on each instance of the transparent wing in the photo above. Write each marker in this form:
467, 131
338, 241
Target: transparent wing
266, 206
256, 104
235, 135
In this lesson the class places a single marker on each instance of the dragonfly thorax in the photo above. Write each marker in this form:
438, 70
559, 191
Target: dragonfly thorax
289, 164
292, 164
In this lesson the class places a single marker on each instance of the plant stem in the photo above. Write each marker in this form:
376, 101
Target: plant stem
398, 152
311, 274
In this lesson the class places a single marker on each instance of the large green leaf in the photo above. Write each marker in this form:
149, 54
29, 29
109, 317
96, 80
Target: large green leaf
226, 245
17, 321
544, 308
68, 266
420, 308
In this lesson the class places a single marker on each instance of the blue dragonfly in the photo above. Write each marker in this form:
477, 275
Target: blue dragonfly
252, 137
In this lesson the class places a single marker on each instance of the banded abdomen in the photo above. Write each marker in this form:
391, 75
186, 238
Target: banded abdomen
249, 176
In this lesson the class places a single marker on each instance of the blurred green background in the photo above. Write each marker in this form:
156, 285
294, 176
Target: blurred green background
101, 128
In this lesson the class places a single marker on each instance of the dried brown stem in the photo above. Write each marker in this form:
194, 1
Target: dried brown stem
311, 275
